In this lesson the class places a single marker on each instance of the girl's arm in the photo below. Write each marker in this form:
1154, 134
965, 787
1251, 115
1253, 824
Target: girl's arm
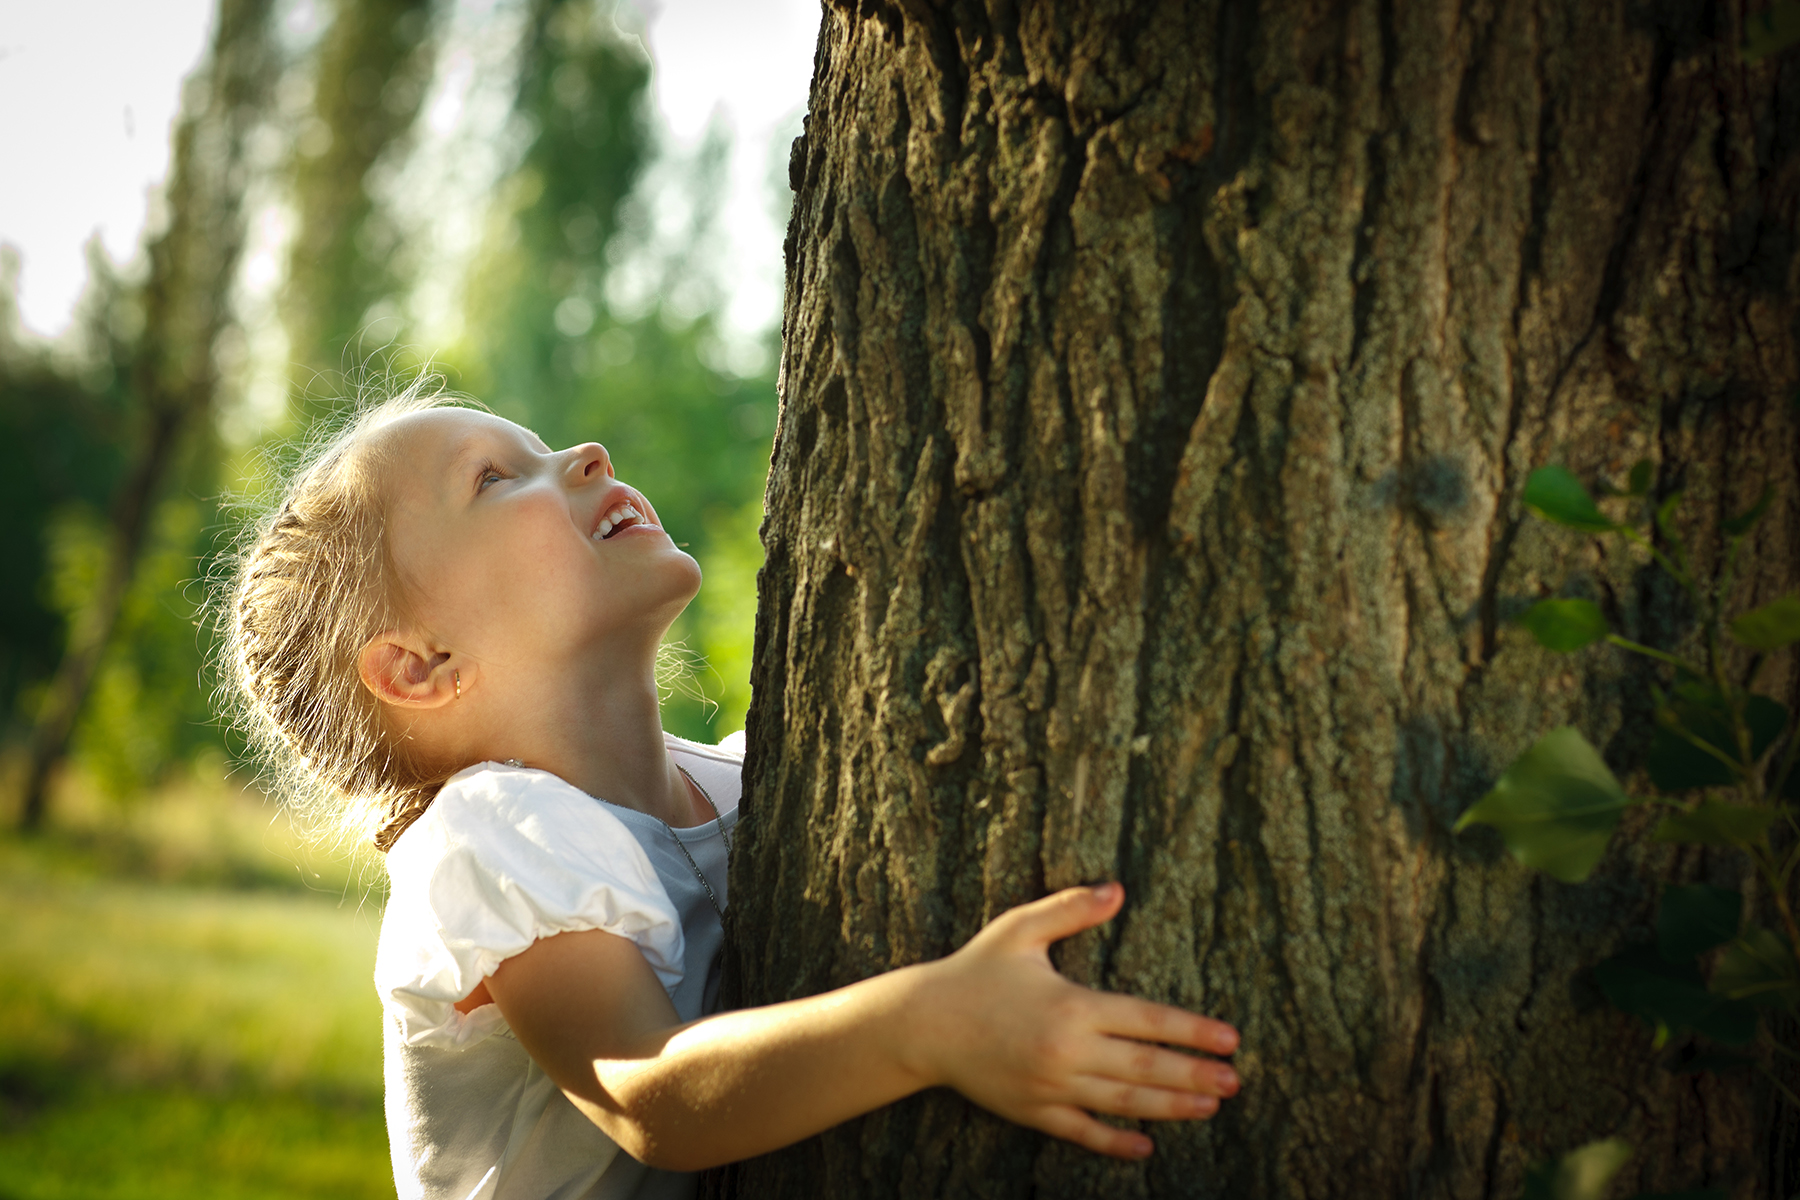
994, 1021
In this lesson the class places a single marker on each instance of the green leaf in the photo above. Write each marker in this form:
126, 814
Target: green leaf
1766, 719
1770, 627
1745, 521
1671, 997
1665, 517
1643, 474
1693, 918
1676, 765
1565, 625
1713, 823
1581, 1174
1555, 807
1556, 495
1759, 968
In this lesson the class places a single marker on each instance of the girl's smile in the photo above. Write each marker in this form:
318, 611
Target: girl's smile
626, 516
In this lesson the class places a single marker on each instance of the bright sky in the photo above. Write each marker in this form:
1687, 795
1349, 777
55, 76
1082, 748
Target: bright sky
90, 88
752, 60
753, 57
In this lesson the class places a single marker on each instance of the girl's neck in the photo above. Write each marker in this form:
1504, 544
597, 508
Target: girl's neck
599, 729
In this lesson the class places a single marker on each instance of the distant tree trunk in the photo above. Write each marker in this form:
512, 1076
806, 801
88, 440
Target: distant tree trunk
173, 373
1160, 382
372, 72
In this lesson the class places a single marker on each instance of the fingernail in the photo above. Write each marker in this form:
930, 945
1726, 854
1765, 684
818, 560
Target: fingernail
1104, 891
1143, 1149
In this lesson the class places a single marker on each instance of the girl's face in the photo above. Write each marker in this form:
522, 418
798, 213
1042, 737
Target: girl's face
514, 553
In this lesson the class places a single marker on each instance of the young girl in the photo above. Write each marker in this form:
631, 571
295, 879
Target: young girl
452, 630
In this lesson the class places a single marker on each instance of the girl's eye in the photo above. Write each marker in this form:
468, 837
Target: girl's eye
488, 475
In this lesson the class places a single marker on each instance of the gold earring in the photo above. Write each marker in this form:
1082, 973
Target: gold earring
457, 677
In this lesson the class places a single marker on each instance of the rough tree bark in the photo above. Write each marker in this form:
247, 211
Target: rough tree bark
1160, 380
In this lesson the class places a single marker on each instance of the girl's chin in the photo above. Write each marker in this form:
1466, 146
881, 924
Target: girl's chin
647, 545
669, 586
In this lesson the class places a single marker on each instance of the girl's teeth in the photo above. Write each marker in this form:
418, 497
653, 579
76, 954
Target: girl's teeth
616, 518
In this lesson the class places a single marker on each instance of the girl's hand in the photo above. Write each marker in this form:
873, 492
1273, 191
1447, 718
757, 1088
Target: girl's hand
997, 1023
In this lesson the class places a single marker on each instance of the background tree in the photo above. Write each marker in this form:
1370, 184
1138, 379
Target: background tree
172, 373
75, 423
1161, 382
366, 80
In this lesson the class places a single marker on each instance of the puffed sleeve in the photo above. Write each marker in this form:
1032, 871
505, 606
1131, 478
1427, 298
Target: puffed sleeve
503, 857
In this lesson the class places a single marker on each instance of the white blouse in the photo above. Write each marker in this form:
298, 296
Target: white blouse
503, 857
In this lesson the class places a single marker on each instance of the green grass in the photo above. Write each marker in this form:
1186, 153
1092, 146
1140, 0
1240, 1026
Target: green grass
156, 1143
182, 1014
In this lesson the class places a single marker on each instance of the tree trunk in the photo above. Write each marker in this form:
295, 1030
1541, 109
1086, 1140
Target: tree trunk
372, 72
173, 375
1160, 381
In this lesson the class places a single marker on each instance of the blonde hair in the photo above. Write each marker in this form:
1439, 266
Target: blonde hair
310, 585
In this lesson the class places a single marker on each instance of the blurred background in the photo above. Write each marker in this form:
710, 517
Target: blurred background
220, 222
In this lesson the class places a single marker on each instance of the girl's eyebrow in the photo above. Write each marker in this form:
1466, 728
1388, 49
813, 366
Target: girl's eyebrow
480, 443
465, 455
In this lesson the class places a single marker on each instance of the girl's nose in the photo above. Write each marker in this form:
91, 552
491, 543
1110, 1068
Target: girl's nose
589, 461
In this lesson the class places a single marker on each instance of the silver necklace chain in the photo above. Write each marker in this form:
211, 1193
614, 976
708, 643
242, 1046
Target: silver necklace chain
679, 845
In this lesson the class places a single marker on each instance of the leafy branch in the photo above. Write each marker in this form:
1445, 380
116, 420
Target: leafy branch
1714, 763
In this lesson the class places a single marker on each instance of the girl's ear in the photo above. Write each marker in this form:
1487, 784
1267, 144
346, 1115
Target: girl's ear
403, 671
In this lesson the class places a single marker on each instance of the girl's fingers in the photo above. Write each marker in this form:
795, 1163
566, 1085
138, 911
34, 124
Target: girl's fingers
1073, 1125
1144, 1065
1127, 1016
1121, 1099
1059, 915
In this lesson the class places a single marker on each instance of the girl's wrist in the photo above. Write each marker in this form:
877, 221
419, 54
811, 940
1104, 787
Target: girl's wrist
914, 1006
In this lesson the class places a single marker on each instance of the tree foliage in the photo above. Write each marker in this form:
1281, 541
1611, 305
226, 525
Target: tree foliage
367, 78
172, 372
73, 416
